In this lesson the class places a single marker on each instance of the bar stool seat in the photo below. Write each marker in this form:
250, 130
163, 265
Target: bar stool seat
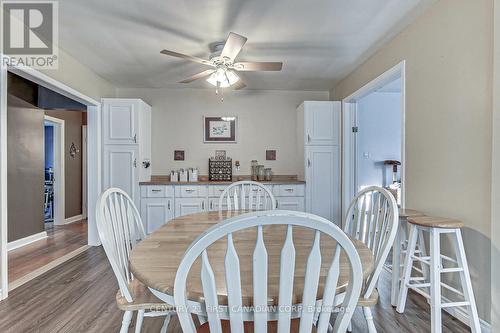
431, 288
435, 222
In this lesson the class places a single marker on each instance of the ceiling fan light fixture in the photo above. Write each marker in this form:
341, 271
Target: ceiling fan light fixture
223, 78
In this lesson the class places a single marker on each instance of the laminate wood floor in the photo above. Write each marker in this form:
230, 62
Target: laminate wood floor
79, 296
61, 240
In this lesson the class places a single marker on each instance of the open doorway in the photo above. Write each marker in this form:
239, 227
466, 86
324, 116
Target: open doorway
373, 134
46, 223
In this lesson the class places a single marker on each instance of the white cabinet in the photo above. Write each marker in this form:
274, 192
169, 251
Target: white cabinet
323, 182
291, 203
319, 122
126, 137
120, 169
155, 212
186, 206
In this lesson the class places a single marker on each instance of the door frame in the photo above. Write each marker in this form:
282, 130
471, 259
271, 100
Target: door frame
84, 172
93, 163
349, 112
59, 174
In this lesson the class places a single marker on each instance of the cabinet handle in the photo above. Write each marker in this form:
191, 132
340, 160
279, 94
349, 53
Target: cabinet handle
168, 204
203, 205
211, 205
135, 162
155, 190
189, 190
289, 189
308, 138
277, 203
308, 163
135, 138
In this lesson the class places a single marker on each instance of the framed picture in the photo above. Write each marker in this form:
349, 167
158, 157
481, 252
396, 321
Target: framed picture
219, 129
178, 155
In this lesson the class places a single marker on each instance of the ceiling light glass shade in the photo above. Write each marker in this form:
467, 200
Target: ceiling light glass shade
225, 77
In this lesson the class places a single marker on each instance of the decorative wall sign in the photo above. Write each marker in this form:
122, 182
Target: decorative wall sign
178, 155
271, 155
219, 129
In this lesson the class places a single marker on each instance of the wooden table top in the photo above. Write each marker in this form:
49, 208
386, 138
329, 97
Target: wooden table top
155, 260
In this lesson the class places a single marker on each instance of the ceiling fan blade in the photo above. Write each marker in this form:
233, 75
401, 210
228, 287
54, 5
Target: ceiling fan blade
198, 76
239, 85
233, 46
258, 66
186, 57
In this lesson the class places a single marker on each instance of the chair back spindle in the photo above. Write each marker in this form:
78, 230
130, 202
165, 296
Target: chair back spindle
373, 218
247, 195
260, 307
120, 228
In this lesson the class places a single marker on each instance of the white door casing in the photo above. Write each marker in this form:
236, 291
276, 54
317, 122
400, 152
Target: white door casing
59, 171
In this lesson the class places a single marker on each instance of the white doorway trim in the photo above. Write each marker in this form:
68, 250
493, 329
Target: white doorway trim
84, 173
349, 111
59, 180
93, 156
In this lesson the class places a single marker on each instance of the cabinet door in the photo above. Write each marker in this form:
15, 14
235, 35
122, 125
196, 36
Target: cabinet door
322, 123
186, 206
120, 169
323, 182
155, 212
120, 121
291, 203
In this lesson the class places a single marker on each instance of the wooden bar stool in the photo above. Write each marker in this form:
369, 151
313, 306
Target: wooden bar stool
432, 289
399, 250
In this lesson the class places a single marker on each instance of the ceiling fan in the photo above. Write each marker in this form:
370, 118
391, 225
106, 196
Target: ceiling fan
224, 68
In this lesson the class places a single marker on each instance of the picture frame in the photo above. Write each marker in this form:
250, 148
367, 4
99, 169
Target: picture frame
220, 129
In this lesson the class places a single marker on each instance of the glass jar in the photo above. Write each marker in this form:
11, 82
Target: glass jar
268, 174
261, 175
254, 169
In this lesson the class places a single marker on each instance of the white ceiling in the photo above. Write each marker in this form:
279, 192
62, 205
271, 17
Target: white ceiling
319, 41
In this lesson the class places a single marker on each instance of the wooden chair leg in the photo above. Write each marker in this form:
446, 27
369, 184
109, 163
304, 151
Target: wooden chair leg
466, 282
408, 266
138, 322
127, 318
165, 323
369, 319
435, 277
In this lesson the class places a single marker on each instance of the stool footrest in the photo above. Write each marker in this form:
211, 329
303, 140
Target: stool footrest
454, 304
452, 270
425, 260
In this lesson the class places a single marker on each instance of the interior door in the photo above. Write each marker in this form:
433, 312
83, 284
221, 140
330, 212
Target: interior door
120, 165
120, 121
322, 182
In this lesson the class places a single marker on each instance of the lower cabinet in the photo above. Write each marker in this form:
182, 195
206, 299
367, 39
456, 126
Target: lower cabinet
155, 212
291, 203
186, 206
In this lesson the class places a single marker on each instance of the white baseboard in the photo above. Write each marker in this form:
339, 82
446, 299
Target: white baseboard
26, 240
462, 315
73, 219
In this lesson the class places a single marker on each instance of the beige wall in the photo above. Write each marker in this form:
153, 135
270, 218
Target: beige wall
266, 120
448, 53
495, 201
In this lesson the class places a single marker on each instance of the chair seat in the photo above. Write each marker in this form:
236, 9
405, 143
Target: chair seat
143, 299
435, 222
371, 301
272, 327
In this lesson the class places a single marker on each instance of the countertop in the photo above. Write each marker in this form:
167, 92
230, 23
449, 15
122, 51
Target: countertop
277, 180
